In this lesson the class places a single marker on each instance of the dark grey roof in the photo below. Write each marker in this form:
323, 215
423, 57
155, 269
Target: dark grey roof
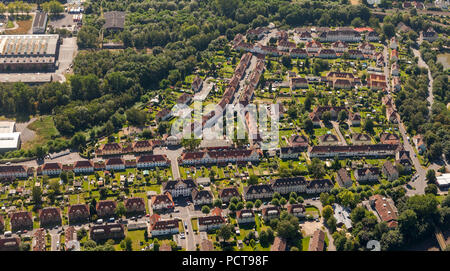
114, 19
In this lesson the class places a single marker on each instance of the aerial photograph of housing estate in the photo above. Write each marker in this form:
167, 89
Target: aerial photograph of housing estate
224, 125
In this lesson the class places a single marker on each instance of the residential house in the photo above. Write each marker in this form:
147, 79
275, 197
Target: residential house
373, 36
110, 149
206, 245
319, 186
385, 209
393, 43
376, 81
355, 54
395, 69
342, 215
298, 82
375, 150
135, 205
396, 85
21, 220
208, 223
106, 208
298, 53
107, 231
260, 191
284, 45
388, 138
391, 115
354, 119
394, 55
163, 115
49, 217
366, 48
317, 242
313, 46
343, 178
245, 216
342, 84
78, 213
389, 171
291, 152
2, 224
10, 244
326, 53
13, 172
347, 35
298, 141
51, 169
296, 184
420, 144
279, 244
142, 146
430, 35
402, 158
366, 175
160, 227
185, 98
339, 46
39, 240
361, 139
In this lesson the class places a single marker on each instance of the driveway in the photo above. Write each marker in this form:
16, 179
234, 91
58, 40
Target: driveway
338, 132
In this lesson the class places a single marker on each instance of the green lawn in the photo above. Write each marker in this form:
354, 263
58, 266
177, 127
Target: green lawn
45, 130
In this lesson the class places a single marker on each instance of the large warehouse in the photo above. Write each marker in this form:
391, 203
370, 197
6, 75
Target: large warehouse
28, 53
9, 138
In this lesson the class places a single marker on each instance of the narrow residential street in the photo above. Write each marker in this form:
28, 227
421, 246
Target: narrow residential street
54, 241
338, 132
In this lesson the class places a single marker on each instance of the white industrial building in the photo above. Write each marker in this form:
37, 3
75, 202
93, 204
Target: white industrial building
9, 138
443, 181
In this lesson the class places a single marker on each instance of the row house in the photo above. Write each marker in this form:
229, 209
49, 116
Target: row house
270, 212
245, 216
160, 227
130, 163
213, 157
366, 48
343, 178
135, 205
208, 223
110, 149
297, 210
21, 220
78, 213
179, 188
260, 191
10, 244
367, 175
347, 35
291, 152
51, 169
389, 138
328, 139
327, 53
339, 46
142, 146
389, 171
115, 164
298, 53
298, 82
197, 84
82, 167
287, 185
375, 150
14, 172
227, 193
319, 186
333, 76
376, 81
354, 119
114, 231
49, 217
152, 161
385, 209
361, 139
313, 46
202, 197
162, 202
106, 208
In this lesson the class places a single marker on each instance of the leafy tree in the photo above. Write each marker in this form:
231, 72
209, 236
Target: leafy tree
327, 212
205, 209
120, 210
253, 179
225, 232
316, 168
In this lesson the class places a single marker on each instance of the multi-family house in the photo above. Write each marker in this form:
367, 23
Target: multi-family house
388, 138
313, 46
202, 197
2, 224
82, 167
361, 139
162, 202
142, 146
419, 142
115, 164
317, 241
15, 171
298, 141
260, 191
245, 216
376, 81
50, 216
328, 140
319, 186
208, 223
373, 36
430, 35
110, 149
298, 82
107, 231
385, 209
51, 169
298, 53
160, 227
375, 150
402, 158
343, 178
179, 188
355, 54
368, 174
10, 243
366, 48
347, 35
152, 161
270, 212
389, 171
339, 46
197, 84
291, 152
106, 208
78, 213
287, 185
227, 193
38, 242
21, 220
297, 210
135, 205
354, 119
326, 53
